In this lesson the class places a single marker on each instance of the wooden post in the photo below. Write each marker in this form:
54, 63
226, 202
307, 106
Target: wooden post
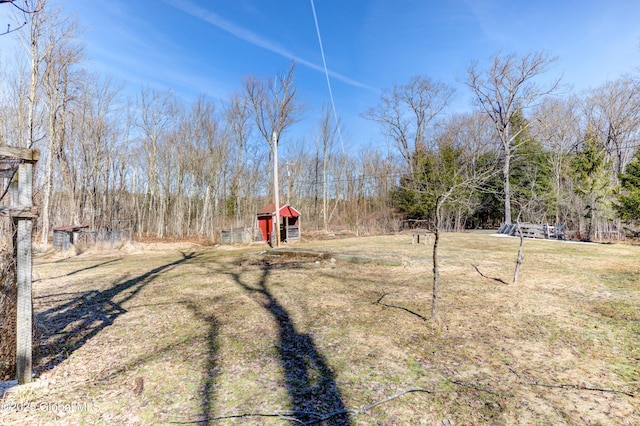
24, 320
286, 228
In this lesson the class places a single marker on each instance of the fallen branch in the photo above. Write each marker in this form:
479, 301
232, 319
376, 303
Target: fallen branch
384, 293
288, 416
283, 414
395, 396
491, 278
366, 408
293, 415
379, 302
580, 387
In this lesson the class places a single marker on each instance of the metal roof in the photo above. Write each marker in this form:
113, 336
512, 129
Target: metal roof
285, 210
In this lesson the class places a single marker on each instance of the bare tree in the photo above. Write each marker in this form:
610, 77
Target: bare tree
21, 13
155, 116
238, 115
61, 84
276, 108
54, 51
407, 112
211, 141
505, 87
33, 45
557, 125
613, 113
324, 149
274, 104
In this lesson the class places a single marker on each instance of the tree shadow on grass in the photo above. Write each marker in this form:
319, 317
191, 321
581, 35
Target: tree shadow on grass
77, 271
66, 327
310, 381
212, 370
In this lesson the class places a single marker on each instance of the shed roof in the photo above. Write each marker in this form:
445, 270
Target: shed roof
71, 228
285, 210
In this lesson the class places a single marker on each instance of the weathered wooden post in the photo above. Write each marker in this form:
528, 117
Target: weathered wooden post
22, 213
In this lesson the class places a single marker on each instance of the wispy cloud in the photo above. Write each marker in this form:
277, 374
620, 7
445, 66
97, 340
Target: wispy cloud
254, 39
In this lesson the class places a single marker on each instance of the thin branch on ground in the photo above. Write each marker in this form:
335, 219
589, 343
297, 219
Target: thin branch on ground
580, 387
395, 396
284, 415
384, 294
514, 371
500, 280
366, 408
318, 418
379, 302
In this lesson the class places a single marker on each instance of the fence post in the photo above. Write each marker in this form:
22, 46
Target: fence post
24, 320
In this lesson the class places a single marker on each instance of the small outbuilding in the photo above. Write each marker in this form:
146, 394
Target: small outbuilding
289, 222
66, 236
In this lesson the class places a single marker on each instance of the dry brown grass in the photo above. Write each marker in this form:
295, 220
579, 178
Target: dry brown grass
215, 333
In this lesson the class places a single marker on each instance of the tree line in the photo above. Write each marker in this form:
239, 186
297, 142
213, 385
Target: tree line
528, 153
187, 169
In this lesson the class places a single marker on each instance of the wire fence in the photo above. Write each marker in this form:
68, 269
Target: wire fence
76, 236
240, 235
8, 301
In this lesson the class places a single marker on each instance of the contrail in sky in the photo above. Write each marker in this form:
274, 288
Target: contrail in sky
250, 37
326, 72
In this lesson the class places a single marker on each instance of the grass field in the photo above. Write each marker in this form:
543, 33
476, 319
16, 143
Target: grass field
180, 334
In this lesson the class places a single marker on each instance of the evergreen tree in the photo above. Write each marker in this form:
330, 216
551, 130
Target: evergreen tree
532, 183
436, 173
628, 205
531, 175
489, 210
592, 181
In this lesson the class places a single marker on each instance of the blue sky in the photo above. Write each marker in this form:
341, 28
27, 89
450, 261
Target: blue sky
206, 47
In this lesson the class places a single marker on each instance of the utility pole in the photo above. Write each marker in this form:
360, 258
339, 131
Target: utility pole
276, 185
288, 183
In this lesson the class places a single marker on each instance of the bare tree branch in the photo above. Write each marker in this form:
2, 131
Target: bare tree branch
580, 387
408, 112
500, 280
379, 302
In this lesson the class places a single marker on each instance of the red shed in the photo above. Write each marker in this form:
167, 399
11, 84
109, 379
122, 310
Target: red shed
289, 222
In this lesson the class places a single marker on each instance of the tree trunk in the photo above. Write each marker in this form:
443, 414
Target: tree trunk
46, 199
520, 256
436, 265
507, 187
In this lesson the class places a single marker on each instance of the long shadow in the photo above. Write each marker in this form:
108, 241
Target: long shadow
211, 366
310, 381
68, 326
81, 270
